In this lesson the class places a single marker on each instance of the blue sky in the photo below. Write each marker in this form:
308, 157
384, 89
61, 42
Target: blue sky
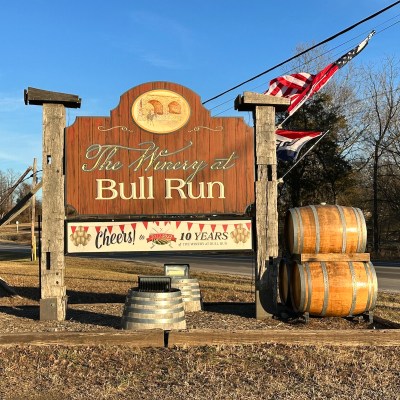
100, 49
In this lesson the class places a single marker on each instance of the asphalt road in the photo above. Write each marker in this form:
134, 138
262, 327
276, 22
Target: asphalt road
388, 273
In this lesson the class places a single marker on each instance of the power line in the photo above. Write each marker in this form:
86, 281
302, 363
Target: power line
289, 71
305, 51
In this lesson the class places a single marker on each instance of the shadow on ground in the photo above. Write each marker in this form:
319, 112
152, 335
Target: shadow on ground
246, 310
73, 315
74, 297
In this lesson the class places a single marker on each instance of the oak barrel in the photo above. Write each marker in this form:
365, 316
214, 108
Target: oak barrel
333, 289
152, 310
325, 229
284, 281
190, 290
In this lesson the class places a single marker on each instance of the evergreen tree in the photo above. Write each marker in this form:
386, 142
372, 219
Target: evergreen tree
324, 174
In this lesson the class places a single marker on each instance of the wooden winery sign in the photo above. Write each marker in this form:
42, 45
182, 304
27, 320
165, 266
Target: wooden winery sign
159, 153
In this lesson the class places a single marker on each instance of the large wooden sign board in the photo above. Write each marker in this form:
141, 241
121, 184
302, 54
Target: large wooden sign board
159, 153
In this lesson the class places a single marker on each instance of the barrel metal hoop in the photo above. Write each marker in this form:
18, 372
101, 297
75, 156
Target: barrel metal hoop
190, 293
326, 288
359, 229
375, 285
369, 285
317, 232
301, 233
303, 289
155, 311
309, 286
154, 321
297, 230
344, 231
362, 231
354, 287
187, 299
158, 296
152, 302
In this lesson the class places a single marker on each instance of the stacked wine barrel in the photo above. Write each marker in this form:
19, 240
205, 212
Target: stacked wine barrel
326, 271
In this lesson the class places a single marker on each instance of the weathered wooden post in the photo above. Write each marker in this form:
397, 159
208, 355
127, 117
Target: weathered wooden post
33, 211
263, 108
53, 301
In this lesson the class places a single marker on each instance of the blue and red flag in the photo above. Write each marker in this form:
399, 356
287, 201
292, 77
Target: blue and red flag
289, 143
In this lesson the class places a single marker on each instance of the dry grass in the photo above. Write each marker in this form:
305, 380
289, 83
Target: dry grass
234, 372
10, 233
388, 306
97, 289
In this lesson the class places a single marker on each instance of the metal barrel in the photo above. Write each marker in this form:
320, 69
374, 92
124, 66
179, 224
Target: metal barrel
153, 310
285, 272
191, 294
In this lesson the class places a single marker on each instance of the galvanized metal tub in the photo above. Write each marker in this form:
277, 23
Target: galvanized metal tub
191, 294
153, 310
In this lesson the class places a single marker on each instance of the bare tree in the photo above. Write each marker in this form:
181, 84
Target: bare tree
380, 90
7, 198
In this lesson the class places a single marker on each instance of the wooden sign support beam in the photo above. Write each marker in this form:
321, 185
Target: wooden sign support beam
39, 97
53, 301
263, 108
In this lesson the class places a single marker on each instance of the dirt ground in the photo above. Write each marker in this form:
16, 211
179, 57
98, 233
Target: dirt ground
97, 291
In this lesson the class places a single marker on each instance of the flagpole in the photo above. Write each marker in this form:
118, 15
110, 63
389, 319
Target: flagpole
281, 179
280, 125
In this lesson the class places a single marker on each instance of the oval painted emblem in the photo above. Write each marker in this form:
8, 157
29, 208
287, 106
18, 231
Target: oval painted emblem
160, 111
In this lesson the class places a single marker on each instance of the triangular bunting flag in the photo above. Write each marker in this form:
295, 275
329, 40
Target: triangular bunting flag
248, 226
190, 224
213, 227
85, 228
225, 227
122, 227
133, 226
201, 227
73, 229
110, 228
97, 228
145, 224
177, 224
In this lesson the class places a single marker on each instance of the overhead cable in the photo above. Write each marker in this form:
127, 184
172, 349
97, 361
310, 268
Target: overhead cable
305, 51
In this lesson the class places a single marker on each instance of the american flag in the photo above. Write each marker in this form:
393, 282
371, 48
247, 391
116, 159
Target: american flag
301, 86
289, 143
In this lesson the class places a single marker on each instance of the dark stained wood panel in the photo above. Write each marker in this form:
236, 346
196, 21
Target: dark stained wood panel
109, 158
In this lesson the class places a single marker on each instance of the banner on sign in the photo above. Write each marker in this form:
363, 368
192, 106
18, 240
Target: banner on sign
154, 236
